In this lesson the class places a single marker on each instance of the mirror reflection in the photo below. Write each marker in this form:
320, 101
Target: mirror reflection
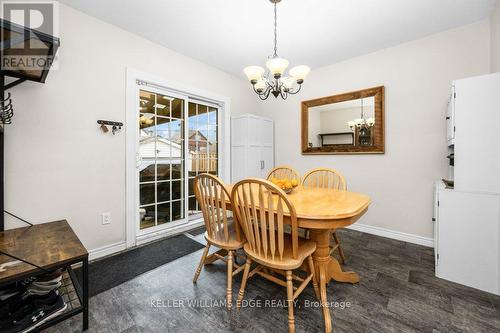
347, 123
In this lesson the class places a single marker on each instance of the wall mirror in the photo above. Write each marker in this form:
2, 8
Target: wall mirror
351, 123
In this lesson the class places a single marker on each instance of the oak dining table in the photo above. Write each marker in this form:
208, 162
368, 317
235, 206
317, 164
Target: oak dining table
320, 211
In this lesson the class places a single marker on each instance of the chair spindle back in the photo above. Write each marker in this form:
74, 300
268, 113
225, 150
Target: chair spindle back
325, 178
212, 194
283, 171
261, 209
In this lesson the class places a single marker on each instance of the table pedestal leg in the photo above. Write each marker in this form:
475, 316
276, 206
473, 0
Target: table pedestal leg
327, 268
336, 273
333, 269
321, 259
324, 301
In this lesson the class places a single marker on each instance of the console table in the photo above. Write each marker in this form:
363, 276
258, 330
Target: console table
48, 246
350, 135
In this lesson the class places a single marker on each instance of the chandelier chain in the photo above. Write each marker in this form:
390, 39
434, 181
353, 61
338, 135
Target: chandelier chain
362, 113
275, 31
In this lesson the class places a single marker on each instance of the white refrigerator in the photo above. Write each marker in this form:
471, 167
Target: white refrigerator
467, 216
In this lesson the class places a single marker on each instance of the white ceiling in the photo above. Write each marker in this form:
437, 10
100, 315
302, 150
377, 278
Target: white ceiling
231, 34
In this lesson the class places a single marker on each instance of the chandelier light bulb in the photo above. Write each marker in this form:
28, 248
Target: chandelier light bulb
359, 121
370, 121
260, 85
254, 73
277, 66
288, 82
299, 73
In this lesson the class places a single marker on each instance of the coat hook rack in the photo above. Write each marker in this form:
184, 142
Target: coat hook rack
12, 35
115, 126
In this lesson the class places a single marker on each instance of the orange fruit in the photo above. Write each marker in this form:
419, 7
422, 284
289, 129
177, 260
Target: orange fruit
288, 185
295, 182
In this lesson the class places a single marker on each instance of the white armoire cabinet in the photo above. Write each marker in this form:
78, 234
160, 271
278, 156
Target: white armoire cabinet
467, 216
252, 146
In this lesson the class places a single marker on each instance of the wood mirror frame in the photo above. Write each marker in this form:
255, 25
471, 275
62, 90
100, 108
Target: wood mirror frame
378, 146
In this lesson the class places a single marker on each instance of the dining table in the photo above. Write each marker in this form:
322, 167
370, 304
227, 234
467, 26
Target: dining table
322, 210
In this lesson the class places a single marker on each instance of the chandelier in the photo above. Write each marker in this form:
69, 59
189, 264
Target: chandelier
361, 122
274, 82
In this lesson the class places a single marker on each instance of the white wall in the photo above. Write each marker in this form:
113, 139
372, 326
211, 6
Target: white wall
495, 38
58, 163
417, 77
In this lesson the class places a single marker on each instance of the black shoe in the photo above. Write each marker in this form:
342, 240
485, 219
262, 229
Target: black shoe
35, 313
18, 304
9, 291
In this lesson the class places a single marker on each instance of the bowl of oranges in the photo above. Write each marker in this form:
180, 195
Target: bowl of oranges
287, 185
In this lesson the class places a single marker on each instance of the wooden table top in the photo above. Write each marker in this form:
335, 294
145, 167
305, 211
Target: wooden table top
325, 204
47, 245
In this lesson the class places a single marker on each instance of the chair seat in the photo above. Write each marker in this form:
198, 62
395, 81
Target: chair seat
305, 249
220, 240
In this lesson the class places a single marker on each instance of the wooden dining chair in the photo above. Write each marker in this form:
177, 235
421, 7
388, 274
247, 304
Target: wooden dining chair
262, 209
221, 232
283, 171
327, 178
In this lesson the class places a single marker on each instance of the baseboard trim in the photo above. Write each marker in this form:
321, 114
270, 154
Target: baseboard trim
410, 238
107, 250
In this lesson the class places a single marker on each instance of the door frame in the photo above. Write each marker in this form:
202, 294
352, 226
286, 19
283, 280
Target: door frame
133, 237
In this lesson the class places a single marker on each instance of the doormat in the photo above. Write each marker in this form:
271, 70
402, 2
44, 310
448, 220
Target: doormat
110, 272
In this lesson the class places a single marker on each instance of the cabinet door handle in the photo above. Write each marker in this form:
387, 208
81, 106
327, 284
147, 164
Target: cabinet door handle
261, 165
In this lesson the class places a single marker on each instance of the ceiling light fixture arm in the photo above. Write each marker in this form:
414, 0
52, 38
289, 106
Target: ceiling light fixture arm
293, 92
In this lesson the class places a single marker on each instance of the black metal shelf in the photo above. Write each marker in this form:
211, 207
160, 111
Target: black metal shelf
75, 297
34, 246
72, 294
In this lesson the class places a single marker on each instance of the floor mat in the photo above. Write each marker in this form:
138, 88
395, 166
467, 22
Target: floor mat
197, 231
109, 272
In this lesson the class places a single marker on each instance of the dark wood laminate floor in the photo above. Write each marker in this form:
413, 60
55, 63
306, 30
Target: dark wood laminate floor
397, 293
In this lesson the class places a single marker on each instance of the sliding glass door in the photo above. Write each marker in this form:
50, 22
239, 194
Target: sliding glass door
178, 139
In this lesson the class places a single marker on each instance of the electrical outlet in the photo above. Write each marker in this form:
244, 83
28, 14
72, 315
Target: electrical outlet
106, 218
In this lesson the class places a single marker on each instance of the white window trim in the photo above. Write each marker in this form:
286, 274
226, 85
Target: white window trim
131, 130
